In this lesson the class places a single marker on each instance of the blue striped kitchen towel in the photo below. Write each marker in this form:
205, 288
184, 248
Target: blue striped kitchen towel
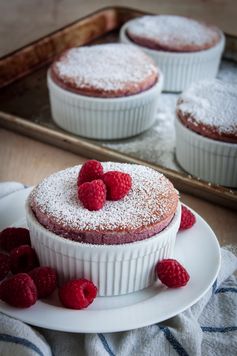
208, 328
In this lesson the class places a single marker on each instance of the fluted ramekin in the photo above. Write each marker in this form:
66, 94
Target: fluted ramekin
114, 269
211, 160
182, 69
104, 118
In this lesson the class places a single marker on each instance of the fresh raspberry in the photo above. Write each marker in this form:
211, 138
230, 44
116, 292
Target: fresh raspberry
4, 265
23, 259
77, 293
45, 279
90, 171
172, 273
12, 237
19, 291
92, 194
117, 184
187, 219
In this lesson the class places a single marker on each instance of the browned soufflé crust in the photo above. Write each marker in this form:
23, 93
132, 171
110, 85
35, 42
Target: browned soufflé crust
172, 33
147, 209
106, 71
209, 109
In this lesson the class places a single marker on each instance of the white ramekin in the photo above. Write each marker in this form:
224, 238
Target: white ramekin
181, 69
210, 160
104, 118
114, 269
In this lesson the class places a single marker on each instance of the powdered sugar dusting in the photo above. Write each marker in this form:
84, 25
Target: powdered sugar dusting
213, 103
173, 31
106, 67
151, 199
156, 145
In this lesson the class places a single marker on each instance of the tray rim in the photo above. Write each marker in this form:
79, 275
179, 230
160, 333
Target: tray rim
183, 181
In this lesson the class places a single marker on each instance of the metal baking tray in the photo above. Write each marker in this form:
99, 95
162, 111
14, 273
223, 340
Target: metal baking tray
25, 107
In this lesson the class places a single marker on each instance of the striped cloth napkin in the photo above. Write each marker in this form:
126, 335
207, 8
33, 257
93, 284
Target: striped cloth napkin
209, 327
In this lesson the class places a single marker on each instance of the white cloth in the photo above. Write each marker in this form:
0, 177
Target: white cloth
207, 328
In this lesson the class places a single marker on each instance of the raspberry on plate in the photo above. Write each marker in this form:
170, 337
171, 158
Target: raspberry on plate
172, 273
77, 293
92, 194
45, 279
19, 291
12, 237
187, 219
4, 265
90, 171
117, 184
23, 259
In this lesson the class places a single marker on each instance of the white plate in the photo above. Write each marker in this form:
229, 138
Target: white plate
197, 249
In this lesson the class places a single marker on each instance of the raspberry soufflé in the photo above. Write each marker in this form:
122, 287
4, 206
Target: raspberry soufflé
185, 49
114, 224
104, 91
105, 71
146, 210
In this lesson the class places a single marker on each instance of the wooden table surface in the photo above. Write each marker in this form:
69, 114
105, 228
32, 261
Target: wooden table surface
28, 161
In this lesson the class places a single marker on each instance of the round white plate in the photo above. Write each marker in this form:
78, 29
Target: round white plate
197, 249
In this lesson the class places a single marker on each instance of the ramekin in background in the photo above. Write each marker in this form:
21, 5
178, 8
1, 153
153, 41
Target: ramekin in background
114, 269
104, 118
205, 158
181, 69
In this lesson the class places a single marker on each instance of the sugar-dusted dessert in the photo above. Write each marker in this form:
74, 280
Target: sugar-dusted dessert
117, 245
206, 129
104, 91
108, 71
173, 33
145, 211
209, 108
185, 49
